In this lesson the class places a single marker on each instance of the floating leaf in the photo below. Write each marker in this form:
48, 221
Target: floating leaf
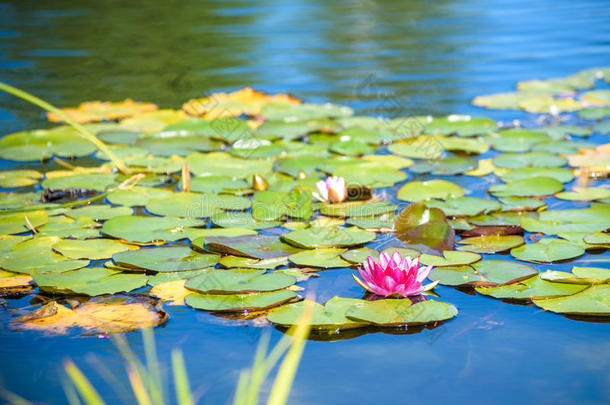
483, 273
99, 315
530, 159
416, 191
136, 195
463, 125
42, 144
446, 166
323, 257
252, 246
149, 230
331, 315
464, 206
218, 184
98, 212
395, 312
547, 250
531, 288
19, 178
592, 301
490, 243
165, 259
515, 140
22, 222
239, 302
92, 249
195, 205
527, 187
37, 254
358, 209
172, 291
559, 174
585, 194
88, 281
97, 182
271, 205
94, 111
232, 219
220, 163
246, 262
370, 174
239, 281
328, 237
449, 258
428, 226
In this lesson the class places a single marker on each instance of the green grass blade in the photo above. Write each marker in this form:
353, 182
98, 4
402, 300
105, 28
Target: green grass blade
84, 387
181, 381
84, 132
152, 365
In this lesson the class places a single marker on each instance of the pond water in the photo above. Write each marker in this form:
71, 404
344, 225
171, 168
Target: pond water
379, 57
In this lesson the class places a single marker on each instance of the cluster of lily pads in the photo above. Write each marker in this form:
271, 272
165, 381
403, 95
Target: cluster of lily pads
219, 207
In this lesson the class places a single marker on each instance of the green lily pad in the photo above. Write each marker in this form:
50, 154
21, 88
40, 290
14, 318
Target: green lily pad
592, 301
383, 222
331, 315
37, 255
196, 234
91, 249
252, 246
468, 145
594, 113
449, 258
136, 195
42, 144
585, 194
547, 250
500, 218
521, 203
491, 243
97, 182
446, 166
395, 312
239, 281
19, 178
165, 259
515, 140
564, 147
239, 302
527, 187
558, 132
370, 174
358, 209
18, 222
359, 255
559, 174
164, 277
483, 273
351, 147
464, 206
98, 212
232, 219
195, 205
462, 125
7, 242
217, 184
598, 238
323, 257
19, 200
592, 272
149, 230
168, 143
328, 237
271, 205
415, 191
419, 224
531, 288
246, 262
530, 159
88, 281
597, 97
422, 147
305, 111
221, 163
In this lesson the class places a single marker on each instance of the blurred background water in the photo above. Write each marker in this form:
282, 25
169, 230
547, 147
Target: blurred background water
379, 57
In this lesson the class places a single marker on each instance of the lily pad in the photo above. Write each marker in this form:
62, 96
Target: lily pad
395, 312
464, 206
585, 194
149, 230
97, 182
515, 140
446, 166
165, 259
271, 205
42, 144
91, 249
559, 174
416, 191
252, 246
491, 243
531, 288
217, 184
354, 209
547, 250
88, 281
328, 237
98, 212
370, 174
221, 163
592, 301
233, 219
19, 178
136, 195
239, 302
331, 315
323, 257
239, 281
449, 258
483, 273
21, 222
246, 262
421, 225
530, 159
195, 205
527, 187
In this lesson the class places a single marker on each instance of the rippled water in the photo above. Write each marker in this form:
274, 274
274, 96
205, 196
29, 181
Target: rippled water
380, 57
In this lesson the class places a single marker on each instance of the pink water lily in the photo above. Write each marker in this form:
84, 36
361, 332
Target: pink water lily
332, 190
394, 276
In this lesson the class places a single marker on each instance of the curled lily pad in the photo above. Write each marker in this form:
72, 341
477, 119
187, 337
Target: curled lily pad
547, 250
165, 259
149, 230
331, 315
252, 246
598, 273
321, 257
92, 249
395, 312
449, 258
239, 302
328, 237
239, 281
421, 225
531, 288
527, 187
592, 301
88, 281
490, 243
416, 191
483, 273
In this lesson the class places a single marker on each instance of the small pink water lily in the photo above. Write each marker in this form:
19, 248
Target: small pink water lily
332, 190
394, 276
